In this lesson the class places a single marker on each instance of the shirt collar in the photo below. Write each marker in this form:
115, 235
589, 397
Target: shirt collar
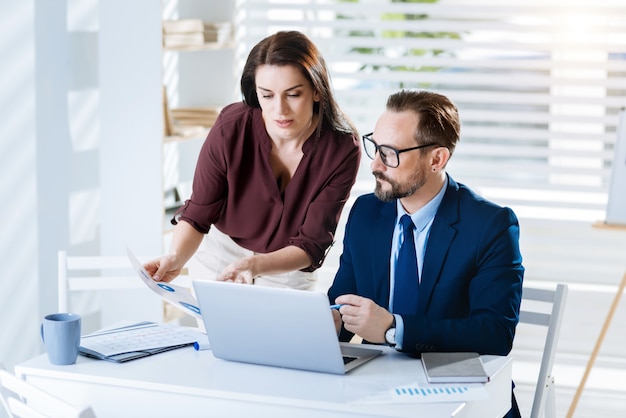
426, 214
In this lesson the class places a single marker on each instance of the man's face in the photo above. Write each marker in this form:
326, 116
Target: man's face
397, 130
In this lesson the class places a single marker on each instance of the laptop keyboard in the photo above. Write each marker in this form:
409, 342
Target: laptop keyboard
348, 359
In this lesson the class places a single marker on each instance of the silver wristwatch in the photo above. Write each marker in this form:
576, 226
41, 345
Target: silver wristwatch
390, 334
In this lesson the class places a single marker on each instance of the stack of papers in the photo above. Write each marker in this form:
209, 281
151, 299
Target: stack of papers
195, 32
204, 116
138, 340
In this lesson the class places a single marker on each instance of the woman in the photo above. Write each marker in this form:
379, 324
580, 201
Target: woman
272, 177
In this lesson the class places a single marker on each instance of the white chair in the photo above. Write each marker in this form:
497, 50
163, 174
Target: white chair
85, 273
21, 399
544, 307
92, 273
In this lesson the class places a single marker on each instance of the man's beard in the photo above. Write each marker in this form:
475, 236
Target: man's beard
398, 191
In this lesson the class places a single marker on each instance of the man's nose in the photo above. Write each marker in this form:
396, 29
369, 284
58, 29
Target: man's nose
377, 162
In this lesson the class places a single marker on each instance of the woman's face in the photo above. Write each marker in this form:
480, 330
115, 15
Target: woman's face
286, 98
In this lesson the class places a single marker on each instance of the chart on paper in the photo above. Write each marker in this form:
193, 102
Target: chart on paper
176, 295
439, 393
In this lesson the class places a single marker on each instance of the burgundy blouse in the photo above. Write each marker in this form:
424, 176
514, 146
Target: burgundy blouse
234, 187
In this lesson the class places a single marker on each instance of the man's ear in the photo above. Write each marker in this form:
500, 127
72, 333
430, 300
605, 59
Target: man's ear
439, 158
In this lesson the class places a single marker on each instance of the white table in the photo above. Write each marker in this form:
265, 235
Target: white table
190, 383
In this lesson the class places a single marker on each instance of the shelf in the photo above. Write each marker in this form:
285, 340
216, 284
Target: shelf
207, 46
168, 228
198, 72
199, 134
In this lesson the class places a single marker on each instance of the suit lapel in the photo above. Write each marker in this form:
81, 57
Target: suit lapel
382, 227
441, 234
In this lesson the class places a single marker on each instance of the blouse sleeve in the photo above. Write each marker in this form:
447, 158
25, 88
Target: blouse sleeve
317, 233
209, 183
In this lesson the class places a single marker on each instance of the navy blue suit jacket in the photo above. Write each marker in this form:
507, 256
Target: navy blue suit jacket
471, 286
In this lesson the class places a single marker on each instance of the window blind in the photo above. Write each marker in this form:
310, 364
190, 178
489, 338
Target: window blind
538, 84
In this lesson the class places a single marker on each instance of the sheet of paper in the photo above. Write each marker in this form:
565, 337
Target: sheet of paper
439, 393
364, 391
178, 296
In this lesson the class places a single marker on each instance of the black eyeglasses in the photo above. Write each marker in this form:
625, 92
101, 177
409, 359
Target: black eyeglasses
388, 155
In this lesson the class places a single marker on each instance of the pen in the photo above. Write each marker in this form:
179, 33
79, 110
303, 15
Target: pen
336, 306
202, 344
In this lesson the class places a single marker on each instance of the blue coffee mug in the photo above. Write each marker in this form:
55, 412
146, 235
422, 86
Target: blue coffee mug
60, 333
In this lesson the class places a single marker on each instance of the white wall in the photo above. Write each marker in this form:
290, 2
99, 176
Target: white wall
131, 141
80, 151
18, 188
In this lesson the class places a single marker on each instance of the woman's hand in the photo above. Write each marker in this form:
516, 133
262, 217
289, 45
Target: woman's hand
165, 268
184, 244
239, 271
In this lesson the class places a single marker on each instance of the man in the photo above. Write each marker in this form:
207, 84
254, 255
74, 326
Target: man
457, 283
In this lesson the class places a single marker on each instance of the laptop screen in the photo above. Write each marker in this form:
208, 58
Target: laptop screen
271, 326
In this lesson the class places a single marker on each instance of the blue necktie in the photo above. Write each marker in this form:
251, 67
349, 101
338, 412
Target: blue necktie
406, 281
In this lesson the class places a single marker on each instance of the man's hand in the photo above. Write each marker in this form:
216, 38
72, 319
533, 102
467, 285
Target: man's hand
364, 317
337, 319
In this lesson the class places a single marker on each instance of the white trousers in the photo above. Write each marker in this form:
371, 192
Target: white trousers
218, 250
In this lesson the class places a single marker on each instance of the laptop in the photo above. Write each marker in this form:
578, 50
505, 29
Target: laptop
275, 327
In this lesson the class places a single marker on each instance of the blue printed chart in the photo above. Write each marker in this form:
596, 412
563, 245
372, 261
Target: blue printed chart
380, 392
176, 295
439, 393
